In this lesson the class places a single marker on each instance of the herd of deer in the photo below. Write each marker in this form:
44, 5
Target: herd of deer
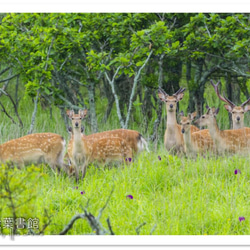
123, 144
191, 140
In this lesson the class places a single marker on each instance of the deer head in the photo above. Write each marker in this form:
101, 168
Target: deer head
171, 101
76, 118
237, 112
208, 118
186, 121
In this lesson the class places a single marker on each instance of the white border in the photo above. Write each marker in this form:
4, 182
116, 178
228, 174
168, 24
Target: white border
102, 240
124, 6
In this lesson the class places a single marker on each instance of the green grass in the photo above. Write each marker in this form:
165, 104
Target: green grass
180, 196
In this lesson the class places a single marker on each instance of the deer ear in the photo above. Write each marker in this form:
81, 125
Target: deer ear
70, 129
193, 115
228, 108
181, 113
70, 113
179, 97
82, 129
83, 113
246, 108
162, 96
216, 111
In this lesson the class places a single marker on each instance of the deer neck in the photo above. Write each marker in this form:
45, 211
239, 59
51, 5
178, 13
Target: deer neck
214, 131
78, 142
187, 140
238, 125
171, 120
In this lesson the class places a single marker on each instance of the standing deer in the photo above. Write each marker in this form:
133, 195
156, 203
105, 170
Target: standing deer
237, 112
102, 147
226, 141
197, 142
67, 161
34, 148
173, 138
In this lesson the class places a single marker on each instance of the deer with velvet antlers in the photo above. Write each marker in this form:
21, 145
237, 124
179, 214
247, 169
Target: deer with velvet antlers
173, 138
237, 112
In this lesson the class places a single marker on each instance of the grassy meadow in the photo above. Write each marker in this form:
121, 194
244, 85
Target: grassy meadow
171, 195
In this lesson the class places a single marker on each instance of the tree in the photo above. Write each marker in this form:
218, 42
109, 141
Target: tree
210, 48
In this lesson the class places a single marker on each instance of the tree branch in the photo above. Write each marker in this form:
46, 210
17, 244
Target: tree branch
4, 111
4, 70
111, 83
71, 223
139, 227
133, 89
9, 78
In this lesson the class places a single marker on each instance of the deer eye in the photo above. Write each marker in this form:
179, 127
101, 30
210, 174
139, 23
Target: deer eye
203, 117
72, 118
188, 123
233, 112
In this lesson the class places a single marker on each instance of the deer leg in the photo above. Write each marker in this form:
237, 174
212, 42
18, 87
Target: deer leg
77, 173
84, 168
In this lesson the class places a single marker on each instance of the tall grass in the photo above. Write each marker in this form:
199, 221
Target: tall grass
180, 196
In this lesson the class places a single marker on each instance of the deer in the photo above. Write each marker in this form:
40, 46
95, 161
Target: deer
225, 141
173, 138
237, 112
198, 142
67, 161
103, 147
35, 149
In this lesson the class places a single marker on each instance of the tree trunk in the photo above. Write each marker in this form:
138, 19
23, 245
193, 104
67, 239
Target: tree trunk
173, 69
229, 95
243, 88
110, 98
191, 100
157, 121
233, 93
92, 110
147, 107
123, 87
197, 86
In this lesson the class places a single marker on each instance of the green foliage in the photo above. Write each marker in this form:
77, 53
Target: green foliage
216, 34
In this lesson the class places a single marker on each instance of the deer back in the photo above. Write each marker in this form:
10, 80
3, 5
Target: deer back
131, 137
110, 149
34, 148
